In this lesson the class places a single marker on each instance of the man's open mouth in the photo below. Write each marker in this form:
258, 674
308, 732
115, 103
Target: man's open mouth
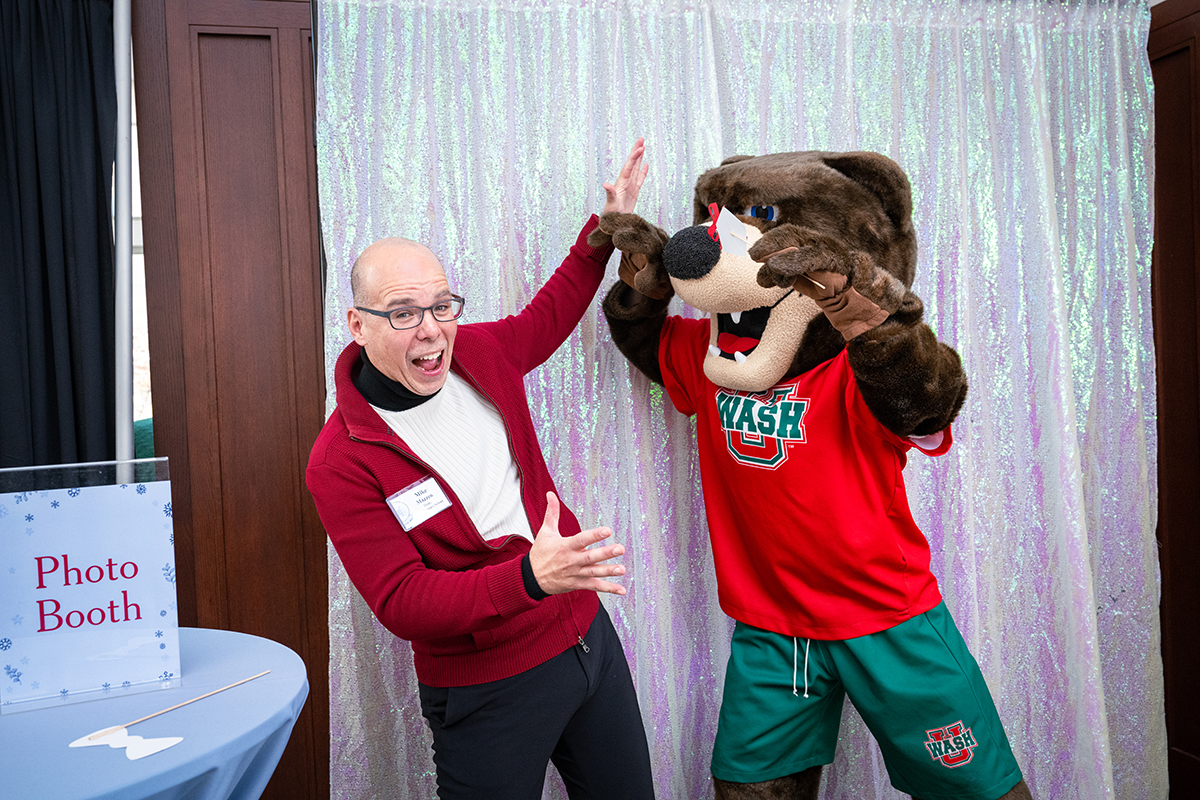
430, 363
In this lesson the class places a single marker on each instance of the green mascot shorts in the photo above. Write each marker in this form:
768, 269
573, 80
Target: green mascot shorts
915, 685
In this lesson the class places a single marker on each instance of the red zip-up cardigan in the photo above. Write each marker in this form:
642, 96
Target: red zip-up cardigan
460, 600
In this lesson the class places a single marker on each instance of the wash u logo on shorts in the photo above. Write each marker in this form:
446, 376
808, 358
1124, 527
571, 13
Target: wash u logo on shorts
759, 426
953, 744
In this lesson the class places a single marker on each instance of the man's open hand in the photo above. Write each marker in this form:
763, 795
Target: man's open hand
622, 194
563, 563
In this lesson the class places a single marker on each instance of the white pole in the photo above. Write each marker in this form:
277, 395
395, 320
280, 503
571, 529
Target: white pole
123, 230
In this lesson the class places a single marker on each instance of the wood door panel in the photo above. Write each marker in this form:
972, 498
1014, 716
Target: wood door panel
251, 329
1175, 26
237, 295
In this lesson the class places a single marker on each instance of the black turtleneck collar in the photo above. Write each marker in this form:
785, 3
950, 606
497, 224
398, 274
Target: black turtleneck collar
381, 391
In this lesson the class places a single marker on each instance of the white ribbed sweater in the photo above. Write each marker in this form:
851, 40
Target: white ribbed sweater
460, 435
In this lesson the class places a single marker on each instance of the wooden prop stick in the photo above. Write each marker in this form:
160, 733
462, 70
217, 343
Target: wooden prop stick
107, 731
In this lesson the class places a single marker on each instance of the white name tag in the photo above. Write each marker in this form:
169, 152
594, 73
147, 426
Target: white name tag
418, 502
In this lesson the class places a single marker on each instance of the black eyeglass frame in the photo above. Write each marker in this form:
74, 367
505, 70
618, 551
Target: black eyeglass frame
454, 298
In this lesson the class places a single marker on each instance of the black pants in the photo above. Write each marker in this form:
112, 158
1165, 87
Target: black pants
579, 710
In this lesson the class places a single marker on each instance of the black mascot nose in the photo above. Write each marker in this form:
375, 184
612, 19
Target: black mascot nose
691, 253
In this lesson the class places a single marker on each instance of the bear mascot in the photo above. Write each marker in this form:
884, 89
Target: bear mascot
810, 380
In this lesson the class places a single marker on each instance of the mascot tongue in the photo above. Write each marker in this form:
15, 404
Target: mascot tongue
731, 343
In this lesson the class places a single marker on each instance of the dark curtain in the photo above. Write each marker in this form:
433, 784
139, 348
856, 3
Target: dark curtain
58, 115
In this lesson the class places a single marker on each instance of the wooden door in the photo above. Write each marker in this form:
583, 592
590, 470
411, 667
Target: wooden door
1175, 61
225, 108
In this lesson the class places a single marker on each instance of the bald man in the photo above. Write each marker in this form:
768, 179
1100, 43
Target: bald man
430, 482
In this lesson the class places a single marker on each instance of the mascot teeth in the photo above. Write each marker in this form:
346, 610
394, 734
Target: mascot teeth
714, 351
739, 357
736, 316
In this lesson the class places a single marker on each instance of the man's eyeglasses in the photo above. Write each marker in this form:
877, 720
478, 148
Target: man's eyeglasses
407, 317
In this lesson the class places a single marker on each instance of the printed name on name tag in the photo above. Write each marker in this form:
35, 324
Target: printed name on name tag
417, 502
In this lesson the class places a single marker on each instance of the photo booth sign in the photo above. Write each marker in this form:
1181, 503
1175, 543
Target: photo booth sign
87, 583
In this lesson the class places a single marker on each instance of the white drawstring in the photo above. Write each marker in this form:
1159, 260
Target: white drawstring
795, 665
807, 642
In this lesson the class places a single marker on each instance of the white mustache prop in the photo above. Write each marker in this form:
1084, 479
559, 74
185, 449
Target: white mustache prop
135, 746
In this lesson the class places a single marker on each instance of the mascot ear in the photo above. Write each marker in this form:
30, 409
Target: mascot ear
883, 177
699, 204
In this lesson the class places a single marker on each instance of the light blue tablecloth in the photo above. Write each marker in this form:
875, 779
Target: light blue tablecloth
231, 741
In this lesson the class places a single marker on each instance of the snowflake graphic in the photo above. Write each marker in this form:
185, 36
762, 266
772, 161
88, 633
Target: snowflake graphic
5, 643
158, 634
13, 673
18, 619
162, 646
63, 693
29, 531
12, 570
3, 511
141, 489
106, 686
73, 492
125, 684
166, 676
124, 485
162, 613
172, 538
54, 504
167, 509
29, 517
169, 573
35, 685
25, 661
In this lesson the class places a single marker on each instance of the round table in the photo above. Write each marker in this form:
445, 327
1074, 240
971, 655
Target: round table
231, 741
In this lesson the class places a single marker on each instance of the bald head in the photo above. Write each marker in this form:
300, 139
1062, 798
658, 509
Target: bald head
391, 275
394, 252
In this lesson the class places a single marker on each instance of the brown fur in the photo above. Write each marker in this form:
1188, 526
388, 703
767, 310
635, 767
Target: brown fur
641, 246
862, 200
799, 786
635, 321
847, 213
845, 216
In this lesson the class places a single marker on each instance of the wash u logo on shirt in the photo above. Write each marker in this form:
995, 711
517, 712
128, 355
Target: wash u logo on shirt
758, 427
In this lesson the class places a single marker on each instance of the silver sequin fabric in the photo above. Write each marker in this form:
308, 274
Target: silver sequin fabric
486, 129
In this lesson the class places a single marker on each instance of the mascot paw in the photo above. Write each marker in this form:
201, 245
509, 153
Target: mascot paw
882, 287
789, 252
641, 246
821, 267
630, 233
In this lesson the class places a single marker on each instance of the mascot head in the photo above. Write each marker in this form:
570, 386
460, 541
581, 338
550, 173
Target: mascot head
849, 208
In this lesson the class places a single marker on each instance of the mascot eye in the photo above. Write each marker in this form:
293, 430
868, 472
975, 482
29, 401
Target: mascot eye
765, 213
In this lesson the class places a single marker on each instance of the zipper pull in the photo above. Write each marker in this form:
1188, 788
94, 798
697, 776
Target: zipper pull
583, 644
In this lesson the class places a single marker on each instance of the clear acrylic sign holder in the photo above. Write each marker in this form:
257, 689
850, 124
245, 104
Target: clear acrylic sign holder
87, 583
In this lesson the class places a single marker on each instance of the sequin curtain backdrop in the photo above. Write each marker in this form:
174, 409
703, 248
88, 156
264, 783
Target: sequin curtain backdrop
486, 129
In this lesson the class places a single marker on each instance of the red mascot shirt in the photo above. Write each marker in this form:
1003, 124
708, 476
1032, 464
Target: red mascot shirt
811, 531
